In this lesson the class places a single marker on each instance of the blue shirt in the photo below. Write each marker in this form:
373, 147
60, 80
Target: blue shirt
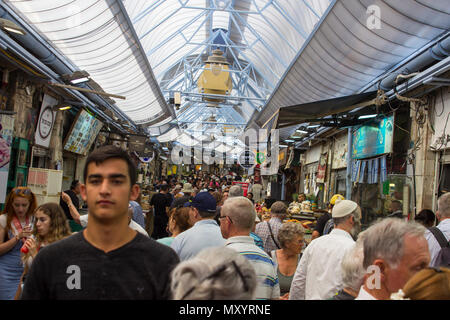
433, 244
204, 234
138, 214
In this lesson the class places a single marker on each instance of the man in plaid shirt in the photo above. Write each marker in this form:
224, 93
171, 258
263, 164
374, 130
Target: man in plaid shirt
278, 212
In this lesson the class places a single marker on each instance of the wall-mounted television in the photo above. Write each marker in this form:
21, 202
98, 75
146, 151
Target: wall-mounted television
82, 134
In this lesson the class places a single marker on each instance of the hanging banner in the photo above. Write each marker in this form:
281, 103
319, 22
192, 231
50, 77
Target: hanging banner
373, 139
45, 123
244, 186
83, 133
322, 168
6, 138
137, 143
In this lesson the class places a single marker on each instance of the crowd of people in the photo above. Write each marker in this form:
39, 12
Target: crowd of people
202, 239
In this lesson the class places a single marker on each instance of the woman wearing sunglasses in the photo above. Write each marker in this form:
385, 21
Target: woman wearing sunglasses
15, 227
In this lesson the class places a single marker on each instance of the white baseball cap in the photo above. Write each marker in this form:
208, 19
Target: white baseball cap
344, 208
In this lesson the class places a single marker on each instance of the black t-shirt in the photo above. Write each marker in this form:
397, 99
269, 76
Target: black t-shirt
73, 269
160, 201
321, 222
65, 207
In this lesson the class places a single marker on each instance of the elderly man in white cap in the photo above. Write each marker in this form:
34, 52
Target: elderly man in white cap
318, 275
187, 196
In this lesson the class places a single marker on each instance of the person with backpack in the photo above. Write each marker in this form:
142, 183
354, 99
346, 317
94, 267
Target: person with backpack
438, 237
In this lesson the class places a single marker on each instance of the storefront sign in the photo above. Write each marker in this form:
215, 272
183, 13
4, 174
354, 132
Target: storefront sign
6, 137
373, 139
83, 132
244, 186
45, 123
247, 159
137, 143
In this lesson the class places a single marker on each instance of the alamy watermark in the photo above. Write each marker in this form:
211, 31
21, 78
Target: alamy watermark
374, 19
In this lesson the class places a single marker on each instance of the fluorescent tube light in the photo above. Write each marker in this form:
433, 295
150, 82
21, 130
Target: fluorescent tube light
80, 80
368, 116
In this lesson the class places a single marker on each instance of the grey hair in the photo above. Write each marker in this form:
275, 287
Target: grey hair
288, 231
444, 205
227, 284
236, 191
241, 211
279, 208
352, 267
385, 240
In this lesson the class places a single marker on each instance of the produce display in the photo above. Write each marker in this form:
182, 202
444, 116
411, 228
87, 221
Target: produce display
294, 208
306, 206
308, 225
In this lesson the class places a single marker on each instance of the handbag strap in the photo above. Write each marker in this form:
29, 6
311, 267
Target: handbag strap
439, 237
271, 234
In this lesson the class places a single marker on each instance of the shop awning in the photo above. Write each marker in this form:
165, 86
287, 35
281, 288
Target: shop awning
297, 114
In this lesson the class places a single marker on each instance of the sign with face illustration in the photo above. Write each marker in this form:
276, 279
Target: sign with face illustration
45, 123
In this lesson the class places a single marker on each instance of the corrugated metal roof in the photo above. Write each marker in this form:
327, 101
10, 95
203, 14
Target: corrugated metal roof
344, 54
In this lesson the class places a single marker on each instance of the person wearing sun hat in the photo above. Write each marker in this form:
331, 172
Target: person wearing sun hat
187, 196
205, 231
317, 276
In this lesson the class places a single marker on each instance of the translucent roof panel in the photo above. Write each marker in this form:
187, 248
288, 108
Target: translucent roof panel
259, 39
165, 49
171, 135
95, 37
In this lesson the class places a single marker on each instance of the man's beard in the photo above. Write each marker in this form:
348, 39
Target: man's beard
356, 229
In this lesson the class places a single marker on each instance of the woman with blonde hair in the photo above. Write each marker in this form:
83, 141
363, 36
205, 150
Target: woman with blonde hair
15, 227
51, 225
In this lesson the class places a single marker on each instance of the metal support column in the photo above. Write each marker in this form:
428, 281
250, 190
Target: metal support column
348, 180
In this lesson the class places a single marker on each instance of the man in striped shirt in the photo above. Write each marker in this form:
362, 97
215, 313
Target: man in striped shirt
236, 221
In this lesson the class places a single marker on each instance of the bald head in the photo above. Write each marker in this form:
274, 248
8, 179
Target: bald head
444, 206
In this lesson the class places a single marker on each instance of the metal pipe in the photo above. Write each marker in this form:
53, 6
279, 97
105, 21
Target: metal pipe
348, 182
86, 90
438, 51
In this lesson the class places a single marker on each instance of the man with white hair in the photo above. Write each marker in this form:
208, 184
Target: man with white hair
352, 273
236, 191
394, 250
318, 275
236, 221
442, 230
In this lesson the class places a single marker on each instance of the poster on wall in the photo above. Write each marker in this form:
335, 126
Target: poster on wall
322, 168
6, 138
45, 123
83, 133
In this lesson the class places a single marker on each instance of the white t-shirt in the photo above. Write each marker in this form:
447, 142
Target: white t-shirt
133, 225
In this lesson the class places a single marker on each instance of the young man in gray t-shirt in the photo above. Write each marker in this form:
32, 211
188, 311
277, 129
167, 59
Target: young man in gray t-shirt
107, 260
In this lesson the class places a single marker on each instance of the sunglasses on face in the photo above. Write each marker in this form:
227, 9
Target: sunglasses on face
22, 191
